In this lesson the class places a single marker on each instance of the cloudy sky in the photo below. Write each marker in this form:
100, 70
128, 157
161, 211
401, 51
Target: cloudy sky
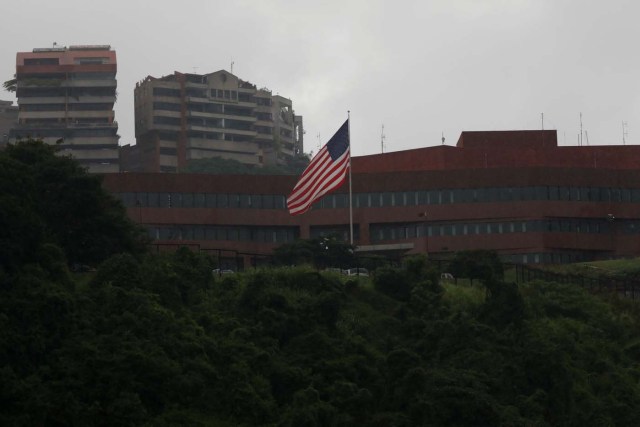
420, 68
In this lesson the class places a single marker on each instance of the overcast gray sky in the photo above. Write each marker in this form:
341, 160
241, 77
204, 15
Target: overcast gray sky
420, 68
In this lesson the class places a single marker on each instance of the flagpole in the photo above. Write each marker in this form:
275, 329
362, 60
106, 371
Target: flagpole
350, 193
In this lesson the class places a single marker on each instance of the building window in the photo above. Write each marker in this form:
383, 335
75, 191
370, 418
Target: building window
42, 61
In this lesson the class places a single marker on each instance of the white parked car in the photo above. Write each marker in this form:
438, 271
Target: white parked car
357, 271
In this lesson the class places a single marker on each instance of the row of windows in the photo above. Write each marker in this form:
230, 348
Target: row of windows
215, 136
200, 121
477, 195
93, 76
41, 61
204, 122
91, 60
59, 92
59, 122
204, 108
222, 233
167, 106
231, 95
162, 120
63, 133
281, 235
482, 195
380, 232
165, 91
203, 200
224, 94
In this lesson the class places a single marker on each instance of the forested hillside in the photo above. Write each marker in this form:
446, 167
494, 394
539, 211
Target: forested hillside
157, 340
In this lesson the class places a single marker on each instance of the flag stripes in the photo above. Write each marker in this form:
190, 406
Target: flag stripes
325, 173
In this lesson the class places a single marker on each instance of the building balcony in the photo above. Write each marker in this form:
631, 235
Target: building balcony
89, 83
247, 104
250, 133
204, 128
42, 100
69, 125
91, 99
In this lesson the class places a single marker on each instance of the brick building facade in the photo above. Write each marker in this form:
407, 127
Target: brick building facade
515, 192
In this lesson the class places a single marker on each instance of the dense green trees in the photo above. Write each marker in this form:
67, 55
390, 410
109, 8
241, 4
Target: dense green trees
159, 340
45, 198
322, 252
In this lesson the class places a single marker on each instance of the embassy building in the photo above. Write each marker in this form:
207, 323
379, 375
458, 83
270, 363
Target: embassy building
514, 192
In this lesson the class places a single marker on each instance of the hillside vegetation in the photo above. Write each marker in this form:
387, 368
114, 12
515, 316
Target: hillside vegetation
160, 341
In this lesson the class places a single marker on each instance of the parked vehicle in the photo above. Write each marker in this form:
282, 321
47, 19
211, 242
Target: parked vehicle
357, 271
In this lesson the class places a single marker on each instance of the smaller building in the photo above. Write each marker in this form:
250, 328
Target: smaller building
8, 120
184, 117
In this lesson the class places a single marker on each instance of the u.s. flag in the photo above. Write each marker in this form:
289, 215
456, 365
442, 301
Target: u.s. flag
326, 172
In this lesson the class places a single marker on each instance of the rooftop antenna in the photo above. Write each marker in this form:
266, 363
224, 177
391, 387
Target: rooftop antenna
580, 143
231, 65
542, 120
195, 70
55, 44
382, 137
625, 133
586, 136
442, 138
318, 141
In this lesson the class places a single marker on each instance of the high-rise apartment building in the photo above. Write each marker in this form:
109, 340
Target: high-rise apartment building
65, 97
183, 117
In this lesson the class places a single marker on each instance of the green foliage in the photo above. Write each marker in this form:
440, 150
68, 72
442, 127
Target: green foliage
158, 340
47, 198
477, 264
322, 252
504, 304
10, 85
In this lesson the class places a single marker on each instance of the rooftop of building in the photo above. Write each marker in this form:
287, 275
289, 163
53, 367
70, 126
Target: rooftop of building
68, 55
204, 79
502, 149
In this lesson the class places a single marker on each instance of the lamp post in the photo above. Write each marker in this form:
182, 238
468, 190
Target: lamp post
611, 219
426, 232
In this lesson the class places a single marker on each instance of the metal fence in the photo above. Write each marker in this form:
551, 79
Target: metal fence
627, 288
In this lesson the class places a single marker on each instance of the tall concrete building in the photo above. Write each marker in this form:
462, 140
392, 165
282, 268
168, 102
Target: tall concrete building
8, 120
183, 117
65, 97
